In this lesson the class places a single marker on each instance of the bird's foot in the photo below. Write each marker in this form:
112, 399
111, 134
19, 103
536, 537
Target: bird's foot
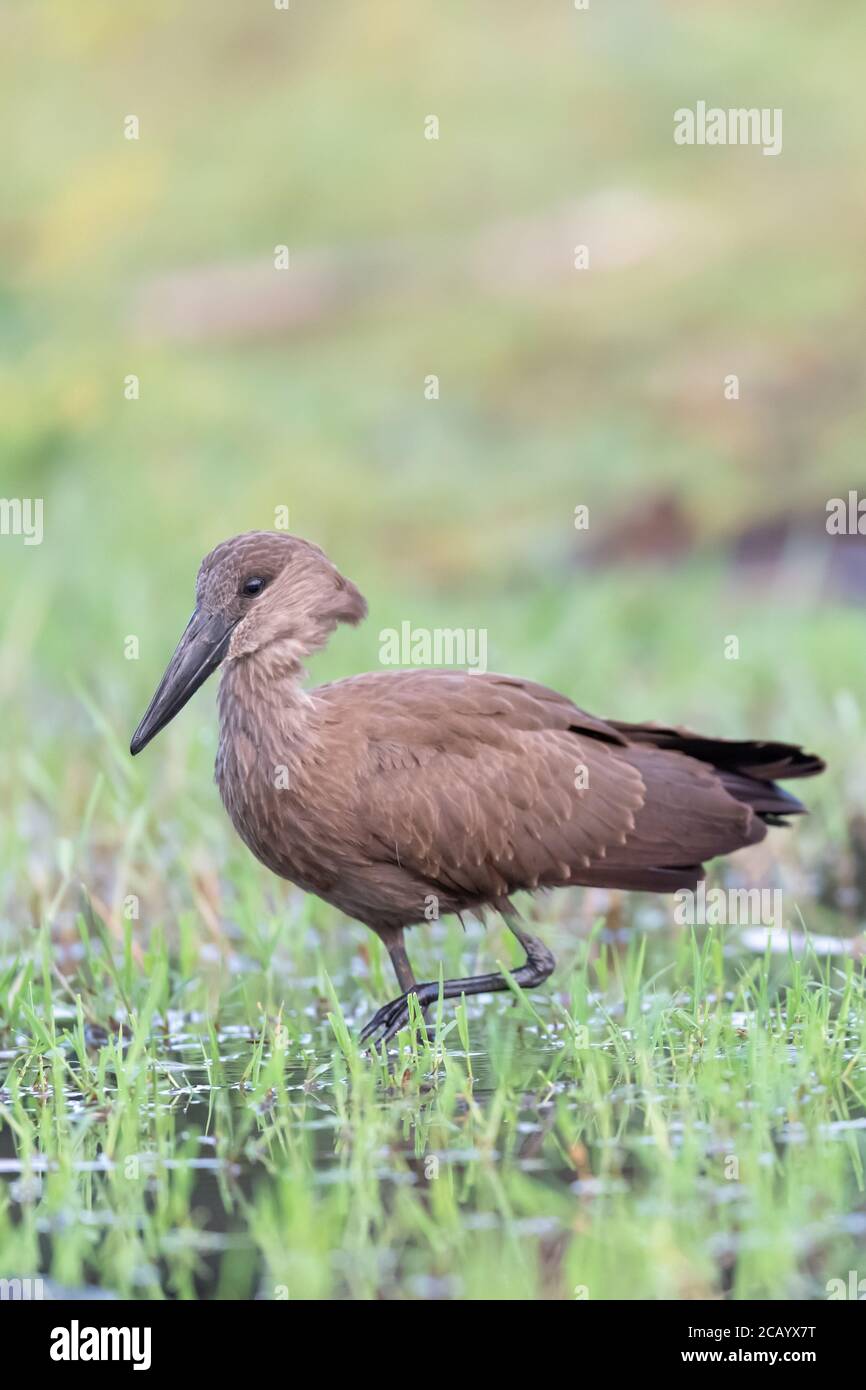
388, 1020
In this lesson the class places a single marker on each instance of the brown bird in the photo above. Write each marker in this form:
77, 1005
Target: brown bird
397, 796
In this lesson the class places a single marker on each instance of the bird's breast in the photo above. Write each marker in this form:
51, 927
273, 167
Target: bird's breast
284, 802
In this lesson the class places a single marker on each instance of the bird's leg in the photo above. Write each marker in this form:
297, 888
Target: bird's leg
402, 967
403, 970
395, 946
539, 964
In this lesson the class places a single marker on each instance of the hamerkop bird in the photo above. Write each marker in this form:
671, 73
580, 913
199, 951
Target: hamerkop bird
390, 792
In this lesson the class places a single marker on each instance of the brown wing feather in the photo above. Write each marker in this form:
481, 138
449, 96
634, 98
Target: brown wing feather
475, 784
508, 819
480, 790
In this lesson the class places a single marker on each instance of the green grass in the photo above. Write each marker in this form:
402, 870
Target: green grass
683, 1121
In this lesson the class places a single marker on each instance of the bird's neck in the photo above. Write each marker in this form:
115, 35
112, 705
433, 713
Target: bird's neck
264, 706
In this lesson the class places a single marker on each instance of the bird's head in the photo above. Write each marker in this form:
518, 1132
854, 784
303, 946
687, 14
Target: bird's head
262, 592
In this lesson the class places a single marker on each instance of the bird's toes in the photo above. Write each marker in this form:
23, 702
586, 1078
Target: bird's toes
370, 1028
393, 1016
399, 1020
381, 1019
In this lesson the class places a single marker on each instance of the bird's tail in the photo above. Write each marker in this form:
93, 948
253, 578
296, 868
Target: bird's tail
748, 770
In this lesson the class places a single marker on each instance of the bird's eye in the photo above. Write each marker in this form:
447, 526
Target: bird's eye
253, 586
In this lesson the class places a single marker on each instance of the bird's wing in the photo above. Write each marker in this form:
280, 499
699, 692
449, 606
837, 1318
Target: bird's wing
487, 784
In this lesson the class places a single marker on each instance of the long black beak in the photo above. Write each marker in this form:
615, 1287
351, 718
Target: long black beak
198, 653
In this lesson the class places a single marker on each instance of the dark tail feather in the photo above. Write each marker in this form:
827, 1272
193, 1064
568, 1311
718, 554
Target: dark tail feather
642, 880
765, 761
768, 801
746, 769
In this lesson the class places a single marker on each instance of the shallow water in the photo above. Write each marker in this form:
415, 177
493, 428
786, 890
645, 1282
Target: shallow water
274, 1162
